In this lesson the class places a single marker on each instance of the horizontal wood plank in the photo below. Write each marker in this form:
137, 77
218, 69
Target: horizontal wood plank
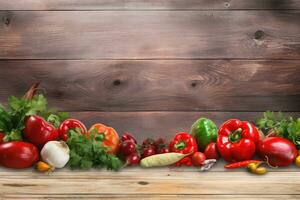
155, 183
149, 35
146, 4
126, 85
152, 197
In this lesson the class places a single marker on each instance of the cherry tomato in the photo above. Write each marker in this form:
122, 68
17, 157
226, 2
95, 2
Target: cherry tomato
127, 147
198, 158
127, 136
163, 150
133, 159
111, 139
68, 124
211, 151
148, 152
149, 142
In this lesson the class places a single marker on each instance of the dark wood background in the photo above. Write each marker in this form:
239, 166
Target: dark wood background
153, 67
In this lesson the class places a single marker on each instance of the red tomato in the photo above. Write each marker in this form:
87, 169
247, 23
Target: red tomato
18, 154
211, 151
2, 135
277, 151
111, 139
68, 124
198, 158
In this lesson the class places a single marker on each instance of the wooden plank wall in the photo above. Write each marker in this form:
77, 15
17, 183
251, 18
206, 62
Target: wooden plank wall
153, 67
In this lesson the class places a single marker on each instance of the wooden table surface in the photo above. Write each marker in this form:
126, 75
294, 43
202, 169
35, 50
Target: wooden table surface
155, 183
152, 68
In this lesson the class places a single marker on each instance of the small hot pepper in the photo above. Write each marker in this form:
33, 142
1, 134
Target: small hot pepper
184, 143
240, 164
237, 140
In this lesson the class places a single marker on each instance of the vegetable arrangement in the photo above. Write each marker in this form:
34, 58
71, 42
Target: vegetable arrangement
31, 134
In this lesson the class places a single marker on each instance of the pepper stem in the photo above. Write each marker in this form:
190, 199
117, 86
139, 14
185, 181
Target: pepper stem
180, 145
235, 136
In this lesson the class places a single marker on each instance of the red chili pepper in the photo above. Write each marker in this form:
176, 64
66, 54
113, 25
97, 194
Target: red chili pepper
237, 140
240, 164
184, 143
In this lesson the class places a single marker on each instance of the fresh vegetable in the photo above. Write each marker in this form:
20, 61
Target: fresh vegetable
1, 137
110, 137
12, 118
186, 161
183, 143
56, 153
38, 132
211, 151
237, 140
163, 150
277, 151
198, 158
128, 136
160, 160
87, 151
133, 159
149, 143
148, 151
44, 167
240, 164
68, 124
297, 161
256, 169
18, 154
128, 147
204, 131
278, 124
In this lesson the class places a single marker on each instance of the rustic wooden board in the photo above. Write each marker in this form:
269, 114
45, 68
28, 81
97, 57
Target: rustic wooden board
147, 197
153, 34
187, 85
156, 182
146, 4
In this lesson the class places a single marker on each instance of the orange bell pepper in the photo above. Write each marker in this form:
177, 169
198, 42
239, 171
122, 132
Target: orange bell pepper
111, 139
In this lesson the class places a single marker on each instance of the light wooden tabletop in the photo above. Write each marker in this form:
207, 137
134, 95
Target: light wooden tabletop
158, 183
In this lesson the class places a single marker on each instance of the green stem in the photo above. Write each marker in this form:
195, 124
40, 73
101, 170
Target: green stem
235, 136
180, 145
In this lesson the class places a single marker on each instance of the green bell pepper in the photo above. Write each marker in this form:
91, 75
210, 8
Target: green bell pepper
205, 131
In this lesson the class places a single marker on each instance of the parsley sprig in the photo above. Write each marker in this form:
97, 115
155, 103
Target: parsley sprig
12, 117
281, 125
87, 151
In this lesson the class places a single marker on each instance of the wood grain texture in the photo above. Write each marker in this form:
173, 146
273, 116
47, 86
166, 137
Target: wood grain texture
149, 35
151, 197
126, 85
147, 5
160, 124
155, 183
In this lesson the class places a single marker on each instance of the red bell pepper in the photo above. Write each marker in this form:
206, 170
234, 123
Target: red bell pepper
184, 143
237, 140
38, 131
68, 124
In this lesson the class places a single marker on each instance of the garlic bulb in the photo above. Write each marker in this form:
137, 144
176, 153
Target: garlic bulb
56, 153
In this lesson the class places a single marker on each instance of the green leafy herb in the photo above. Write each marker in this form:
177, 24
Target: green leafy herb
12, 118
281, 125
87, 151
